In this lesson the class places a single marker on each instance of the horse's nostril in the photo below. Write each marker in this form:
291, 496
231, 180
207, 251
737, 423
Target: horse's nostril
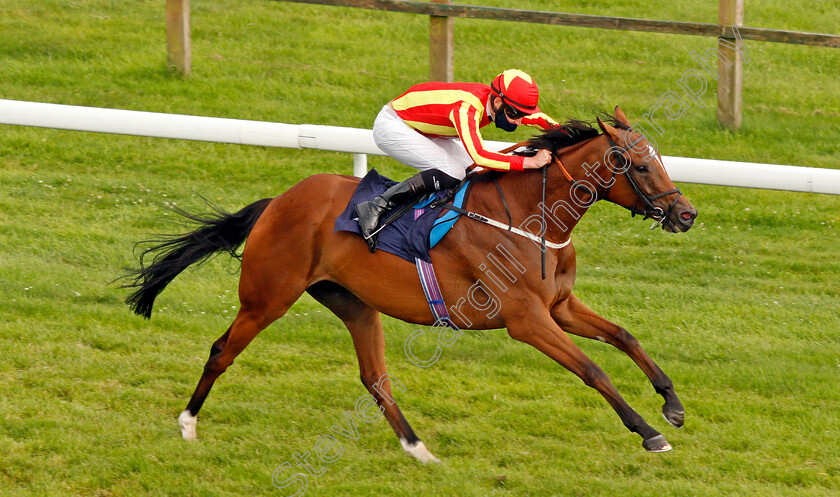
687, 216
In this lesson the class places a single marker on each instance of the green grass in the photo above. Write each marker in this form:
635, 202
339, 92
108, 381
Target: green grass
741, 311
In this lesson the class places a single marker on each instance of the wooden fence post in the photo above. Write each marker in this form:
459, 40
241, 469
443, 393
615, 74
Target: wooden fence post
178, 45
441, 43
730, 84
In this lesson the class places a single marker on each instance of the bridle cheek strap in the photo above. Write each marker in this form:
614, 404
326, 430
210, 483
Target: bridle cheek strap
650, 211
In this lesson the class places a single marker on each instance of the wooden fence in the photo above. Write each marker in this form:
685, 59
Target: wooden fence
441, 35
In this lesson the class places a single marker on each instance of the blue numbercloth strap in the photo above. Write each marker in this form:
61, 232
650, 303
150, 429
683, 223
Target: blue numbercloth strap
428, 281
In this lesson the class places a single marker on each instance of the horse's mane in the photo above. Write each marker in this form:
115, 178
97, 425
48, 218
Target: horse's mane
571, 132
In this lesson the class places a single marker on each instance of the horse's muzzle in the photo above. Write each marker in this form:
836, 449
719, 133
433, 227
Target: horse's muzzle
681, 219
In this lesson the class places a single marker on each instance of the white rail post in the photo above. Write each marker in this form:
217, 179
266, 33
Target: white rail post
359, 165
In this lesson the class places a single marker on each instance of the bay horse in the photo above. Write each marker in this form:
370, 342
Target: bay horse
292, 248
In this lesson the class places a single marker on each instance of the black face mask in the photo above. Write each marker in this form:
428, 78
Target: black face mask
501, 120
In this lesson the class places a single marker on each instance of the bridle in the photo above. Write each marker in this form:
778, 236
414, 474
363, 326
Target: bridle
650, 211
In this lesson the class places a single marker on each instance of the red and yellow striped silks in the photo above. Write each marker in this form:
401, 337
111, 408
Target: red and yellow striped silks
458, 109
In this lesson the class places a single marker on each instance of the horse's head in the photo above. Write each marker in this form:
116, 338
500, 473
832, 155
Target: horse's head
641, 183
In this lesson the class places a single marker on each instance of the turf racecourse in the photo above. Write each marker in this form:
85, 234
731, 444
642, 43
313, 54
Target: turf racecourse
741, 311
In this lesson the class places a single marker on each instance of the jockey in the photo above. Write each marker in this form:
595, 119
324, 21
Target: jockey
434, 127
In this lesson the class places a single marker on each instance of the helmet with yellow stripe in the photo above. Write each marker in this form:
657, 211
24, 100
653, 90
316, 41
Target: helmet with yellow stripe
517, 90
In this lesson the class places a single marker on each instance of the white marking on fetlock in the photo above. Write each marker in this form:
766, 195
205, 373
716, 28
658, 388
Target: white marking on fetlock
187, 423
419, 451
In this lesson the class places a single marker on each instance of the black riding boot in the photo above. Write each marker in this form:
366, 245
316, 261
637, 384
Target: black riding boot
371, 212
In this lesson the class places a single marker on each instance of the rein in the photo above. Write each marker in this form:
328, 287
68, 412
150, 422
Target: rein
542, 222
509, 227
650, 210
492, 222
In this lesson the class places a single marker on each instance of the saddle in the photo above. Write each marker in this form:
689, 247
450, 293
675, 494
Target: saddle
412, 229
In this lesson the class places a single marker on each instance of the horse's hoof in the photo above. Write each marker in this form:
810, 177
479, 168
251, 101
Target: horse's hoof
419, 451
656, 444
676, 418
187, 423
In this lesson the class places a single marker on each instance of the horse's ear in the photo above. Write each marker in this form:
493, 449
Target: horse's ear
620, 117
606, 128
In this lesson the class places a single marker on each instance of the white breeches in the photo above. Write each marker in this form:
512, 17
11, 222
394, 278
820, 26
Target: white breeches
407, 145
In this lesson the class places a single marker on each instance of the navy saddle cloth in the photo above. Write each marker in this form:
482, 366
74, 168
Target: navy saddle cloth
412, 235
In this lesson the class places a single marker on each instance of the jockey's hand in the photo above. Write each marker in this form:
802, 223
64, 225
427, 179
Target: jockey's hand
542, 158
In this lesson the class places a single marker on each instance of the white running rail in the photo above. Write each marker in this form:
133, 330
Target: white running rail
360, 143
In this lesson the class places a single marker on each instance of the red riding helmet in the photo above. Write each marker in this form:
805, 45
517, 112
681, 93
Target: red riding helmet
517, 89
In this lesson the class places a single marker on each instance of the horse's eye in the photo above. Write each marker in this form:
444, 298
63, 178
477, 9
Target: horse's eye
641, 169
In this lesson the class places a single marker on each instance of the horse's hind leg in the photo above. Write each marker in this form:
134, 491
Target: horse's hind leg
574, 317
366, 329
245, 327
187, 420
264, 297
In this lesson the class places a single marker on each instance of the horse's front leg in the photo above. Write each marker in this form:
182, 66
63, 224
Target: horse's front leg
543, 333
575, 318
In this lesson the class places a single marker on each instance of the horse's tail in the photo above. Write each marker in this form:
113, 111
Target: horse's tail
217, 232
